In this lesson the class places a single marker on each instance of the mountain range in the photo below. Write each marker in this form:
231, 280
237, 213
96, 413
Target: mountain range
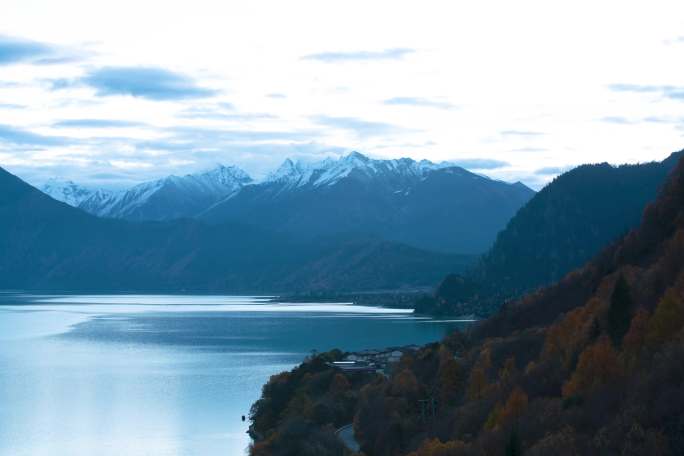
394, 200
164, 199
49, 245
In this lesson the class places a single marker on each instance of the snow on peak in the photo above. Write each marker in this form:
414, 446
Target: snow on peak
66, 191
226, 175
215, 184
330, 171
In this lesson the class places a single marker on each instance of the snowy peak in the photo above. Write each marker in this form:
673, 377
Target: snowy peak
331, 171
223, 176
170, 197
66, 191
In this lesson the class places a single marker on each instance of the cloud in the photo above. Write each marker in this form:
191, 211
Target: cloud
520, 133
355, 56
667, 91
145, 82
96, 123
480, 163
14, 50
20, 137
213, 136
224, 111
19, 50
416, 101
277, 95
362, 128
617, 120
131, 164
676, 40
551, 170
11, 106
530, 149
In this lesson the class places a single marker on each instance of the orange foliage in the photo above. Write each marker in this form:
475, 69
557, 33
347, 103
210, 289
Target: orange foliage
339, 384
404, 384
667, 320
507, 371
514, 407
477, 385
598, 364
635, 339
449, 376
435, 447
566, 337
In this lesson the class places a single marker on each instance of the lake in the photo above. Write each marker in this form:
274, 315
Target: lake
163, 374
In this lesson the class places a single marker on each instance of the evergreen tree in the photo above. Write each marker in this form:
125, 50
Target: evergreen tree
620, 311
514, 446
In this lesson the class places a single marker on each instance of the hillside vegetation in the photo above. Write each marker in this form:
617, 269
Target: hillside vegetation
559, 229
591, 365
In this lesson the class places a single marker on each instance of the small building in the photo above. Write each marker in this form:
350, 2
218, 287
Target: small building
353, 366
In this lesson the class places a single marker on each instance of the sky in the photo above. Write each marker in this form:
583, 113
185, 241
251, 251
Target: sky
112, 93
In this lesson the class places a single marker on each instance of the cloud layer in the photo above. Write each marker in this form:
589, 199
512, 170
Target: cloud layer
145, 82
356, 56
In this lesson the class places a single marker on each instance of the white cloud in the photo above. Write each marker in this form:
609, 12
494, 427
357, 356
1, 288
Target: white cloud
537, 85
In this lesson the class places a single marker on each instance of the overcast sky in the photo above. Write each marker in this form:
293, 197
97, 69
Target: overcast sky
117, 92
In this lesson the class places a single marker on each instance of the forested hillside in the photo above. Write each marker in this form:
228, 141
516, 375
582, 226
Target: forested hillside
558, 230
591, 365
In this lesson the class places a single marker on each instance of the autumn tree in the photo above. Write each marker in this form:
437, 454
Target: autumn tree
507, 371
667, 319
405, 384
515, 405
435, 447
339, 384
565, 338
449, 376
634, 341
598, 364
477, 384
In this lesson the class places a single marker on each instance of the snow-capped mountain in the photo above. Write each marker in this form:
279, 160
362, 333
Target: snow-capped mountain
331, 171
163, 199
436, 206
66, 191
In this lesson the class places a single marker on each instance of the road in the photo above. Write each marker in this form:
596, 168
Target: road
346, 436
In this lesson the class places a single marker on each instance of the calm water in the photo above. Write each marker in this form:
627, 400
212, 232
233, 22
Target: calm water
162, 375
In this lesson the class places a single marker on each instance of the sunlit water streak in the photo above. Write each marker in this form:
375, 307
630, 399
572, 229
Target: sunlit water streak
163, 374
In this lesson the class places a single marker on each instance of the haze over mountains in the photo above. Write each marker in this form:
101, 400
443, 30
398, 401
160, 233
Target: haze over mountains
395, 200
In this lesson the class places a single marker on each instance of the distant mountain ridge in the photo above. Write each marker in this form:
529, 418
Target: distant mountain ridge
66, 191
396, 200
164, 199
49, 245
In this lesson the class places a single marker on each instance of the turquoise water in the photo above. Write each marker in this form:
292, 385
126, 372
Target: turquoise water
162, 375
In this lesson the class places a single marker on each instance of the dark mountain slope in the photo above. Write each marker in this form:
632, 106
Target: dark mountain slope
590, 365
562, 227
46, 244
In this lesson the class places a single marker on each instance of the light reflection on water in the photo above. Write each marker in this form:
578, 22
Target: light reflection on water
162, 375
